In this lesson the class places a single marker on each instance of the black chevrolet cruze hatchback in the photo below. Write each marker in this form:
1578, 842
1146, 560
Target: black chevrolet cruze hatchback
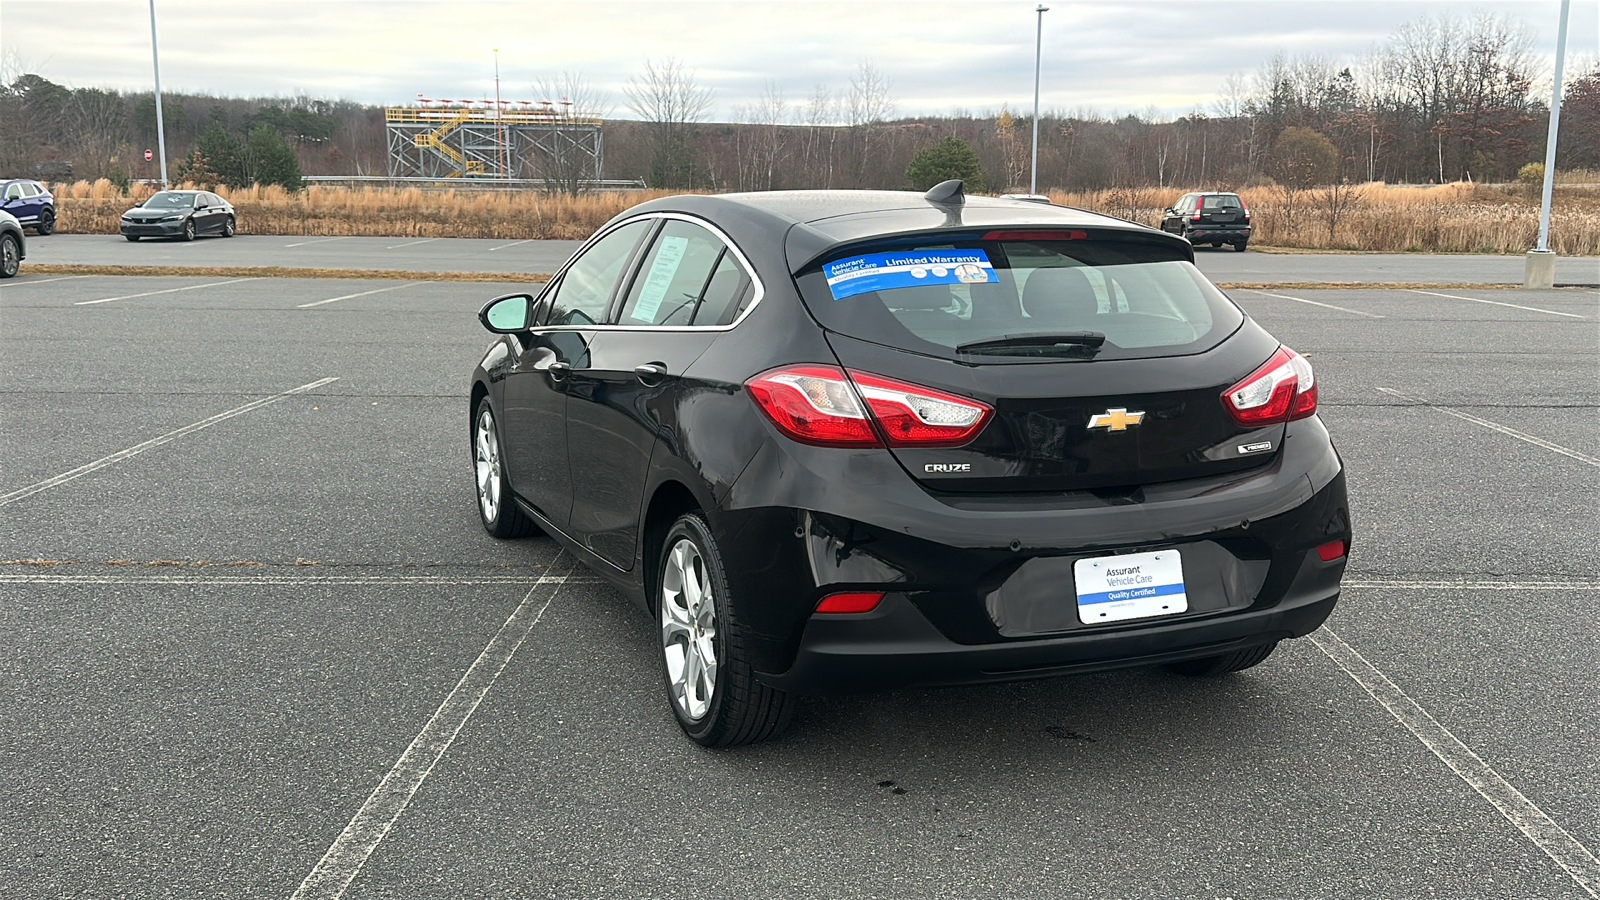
838, 440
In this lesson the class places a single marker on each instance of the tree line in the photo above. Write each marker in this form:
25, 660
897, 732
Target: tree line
1442, 99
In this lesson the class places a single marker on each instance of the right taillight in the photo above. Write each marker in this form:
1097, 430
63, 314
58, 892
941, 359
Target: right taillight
1281, 390
822, 405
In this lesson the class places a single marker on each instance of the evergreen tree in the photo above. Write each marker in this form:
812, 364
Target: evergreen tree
950, 158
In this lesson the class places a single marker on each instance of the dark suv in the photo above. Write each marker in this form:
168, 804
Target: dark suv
1209, 218
30, 203
832, 440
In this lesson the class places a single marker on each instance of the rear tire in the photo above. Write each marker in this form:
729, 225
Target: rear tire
1239, 247
497, 509
10, 255
228, 227
1222, 664
47, 223
713, 692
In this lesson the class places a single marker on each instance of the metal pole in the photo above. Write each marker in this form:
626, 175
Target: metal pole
1555, 129
1038, 45
499, 126
161, 129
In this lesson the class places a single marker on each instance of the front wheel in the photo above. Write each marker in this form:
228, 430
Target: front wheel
188, 230
713, 691
132, 238
10, 255
496, 509
228, 227
1222, 664
47, 223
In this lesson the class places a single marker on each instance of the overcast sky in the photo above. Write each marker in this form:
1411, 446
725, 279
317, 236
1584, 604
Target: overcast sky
1120, 56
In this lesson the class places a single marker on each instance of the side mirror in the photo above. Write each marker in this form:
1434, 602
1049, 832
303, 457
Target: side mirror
509, 314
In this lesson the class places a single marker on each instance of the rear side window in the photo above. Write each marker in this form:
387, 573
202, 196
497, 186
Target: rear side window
29, 189
1074, 298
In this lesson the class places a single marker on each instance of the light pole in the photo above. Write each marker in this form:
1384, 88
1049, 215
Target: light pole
499, 126
161, 130
1038, 46
1539, 266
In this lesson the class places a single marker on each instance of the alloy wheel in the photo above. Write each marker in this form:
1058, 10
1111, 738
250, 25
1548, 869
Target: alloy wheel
10, 256
486, 453
689, 630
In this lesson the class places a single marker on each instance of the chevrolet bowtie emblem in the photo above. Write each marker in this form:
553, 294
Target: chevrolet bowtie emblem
1115, 419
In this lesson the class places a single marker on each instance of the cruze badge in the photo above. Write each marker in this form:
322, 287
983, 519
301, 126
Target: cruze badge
1115, 419
947, 467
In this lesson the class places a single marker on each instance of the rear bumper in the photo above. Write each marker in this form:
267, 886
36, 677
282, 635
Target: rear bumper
1225, 233
895, 645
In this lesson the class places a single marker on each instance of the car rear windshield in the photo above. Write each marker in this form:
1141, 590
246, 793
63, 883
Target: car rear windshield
1021, 297
1222, 201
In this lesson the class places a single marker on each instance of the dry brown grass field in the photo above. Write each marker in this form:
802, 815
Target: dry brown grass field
1449, 218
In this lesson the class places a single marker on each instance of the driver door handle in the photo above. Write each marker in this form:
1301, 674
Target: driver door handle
650, 374
559, 370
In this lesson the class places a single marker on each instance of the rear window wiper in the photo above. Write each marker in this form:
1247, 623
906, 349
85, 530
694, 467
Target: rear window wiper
1089, 341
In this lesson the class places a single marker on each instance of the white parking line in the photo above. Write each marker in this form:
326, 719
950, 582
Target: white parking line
351, 849
1497, 303
292, 580
192, 287
362, 294
318, 241
120, 455
1496, 426
411, 244
512, 244
1479, 775
45, 280
1414, 584
1315, 303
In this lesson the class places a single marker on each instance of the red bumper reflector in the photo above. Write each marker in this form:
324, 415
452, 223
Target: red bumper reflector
852, 602
1331, 551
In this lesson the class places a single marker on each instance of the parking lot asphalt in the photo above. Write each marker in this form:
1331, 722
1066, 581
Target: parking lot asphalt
248, 617
476, 255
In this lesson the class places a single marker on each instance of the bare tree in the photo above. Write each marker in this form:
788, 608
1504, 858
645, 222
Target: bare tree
868, 106
667, 97
568, 160
770, 112
821, 112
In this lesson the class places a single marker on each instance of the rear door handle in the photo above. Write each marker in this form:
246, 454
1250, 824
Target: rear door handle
650, 374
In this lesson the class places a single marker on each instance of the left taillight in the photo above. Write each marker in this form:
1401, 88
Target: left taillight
1281, 390
824, 406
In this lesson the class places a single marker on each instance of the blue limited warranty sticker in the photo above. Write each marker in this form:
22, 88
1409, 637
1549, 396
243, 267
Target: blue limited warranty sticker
887, 271
1131, 586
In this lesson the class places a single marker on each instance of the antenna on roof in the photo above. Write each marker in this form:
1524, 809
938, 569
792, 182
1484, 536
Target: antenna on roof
947, 193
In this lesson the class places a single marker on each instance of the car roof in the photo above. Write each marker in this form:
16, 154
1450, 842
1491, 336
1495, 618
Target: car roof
816, 221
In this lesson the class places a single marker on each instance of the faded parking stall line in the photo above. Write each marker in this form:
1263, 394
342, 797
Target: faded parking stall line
135, 450
45, 280
1495, 426
1521, 812
318, 241
1315, 303
361, 294
192, 287
1498, 303
343, 860
411, 244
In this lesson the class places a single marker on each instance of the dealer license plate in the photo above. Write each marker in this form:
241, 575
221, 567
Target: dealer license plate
1131, 586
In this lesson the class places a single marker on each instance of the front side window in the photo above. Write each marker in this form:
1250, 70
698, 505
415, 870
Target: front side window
587, 285
673, 277
14, 192
1021, 297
